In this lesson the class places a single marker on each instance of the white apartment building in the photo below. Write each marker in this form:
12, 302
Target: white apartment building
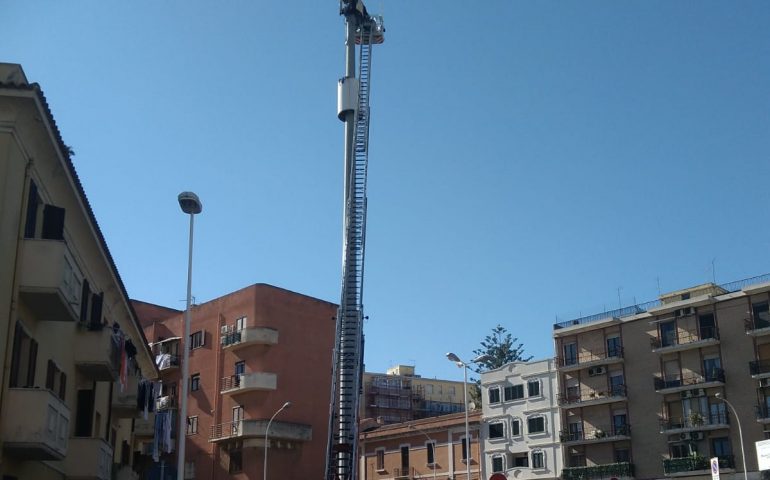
520, 421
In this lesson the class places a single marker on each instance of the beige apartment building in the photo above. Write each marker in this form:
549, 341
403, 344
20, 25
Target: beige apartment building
399, 395
71, 349
639, 386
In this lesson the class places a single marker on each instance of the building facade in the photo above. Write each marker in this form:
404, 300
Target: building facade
521, 421
251, 351
399, 395
640, 386
427, 448
72, 349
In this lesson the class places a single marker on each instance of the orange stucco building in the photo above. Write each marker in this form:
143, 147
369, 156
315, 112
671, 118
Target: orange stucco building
251, 351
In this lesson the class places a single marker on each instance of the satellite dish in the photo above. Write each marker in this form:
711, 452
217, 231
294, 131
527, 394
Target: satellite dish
471, 406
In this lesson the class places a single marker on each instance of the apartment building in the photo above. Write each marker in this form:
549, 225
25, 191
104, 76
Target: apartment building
399, 395
72, 349
427, 448
640, 385
521, 421
251, 351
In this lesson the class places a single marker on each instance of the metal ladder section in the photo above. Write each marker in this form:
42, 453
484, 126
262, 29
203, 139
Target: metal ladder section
348, 358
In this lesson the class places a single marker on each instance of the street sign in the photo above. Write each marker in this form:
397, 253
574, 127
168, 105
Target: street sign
715, 468
763, 454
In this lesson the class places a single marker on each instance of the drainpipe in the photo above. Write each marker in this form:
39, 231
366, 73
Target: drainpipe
14, 286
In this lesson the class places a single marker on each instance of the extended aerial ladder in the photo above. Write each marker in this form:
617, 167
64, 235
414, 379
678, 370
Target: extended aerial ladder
353, 108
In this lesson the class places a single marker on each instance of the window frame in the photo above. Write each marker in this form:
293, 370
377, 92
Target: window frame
192, 425
496, 391
513, 389
195, 382
379, 459
516, 427
539, 388
496, 423
195, 337
499, 457
536, 432
538, 453
430, 453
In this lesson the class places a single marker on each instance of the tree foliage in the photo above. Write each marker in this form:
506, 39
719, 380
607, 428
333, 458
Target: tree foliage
501, 349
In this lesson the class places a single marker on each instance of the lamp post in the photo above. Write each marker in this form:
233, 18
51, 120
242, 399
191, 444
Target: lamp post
460, 364
191, 205
719, 396
267, 431
433, 442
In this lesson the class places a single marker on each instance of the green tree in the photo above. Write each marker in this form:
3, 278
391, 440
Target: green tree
500, 349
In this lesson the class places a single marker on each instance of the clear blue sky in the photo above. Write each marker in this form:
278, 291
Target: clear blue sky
527, 159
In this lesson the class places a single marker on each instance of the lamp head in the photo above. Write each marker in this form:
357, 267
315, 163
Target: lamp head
190, 203
454, 358
286, 405
719, 395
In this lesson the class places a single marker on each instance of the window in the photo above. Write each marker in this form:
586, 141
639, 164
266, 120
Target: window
23, 359
451, 390
240, 324
496, 430
513, 392
619, 424
577, 459
405, 458
668, 333
533, 388
494, 395
380, 459
515, 427
520, 460
197, 339
712, 368
239, 368
614, 348
536, 425
192, 425
195, 382
189, 469
570, 353
430, 452
617, 387
707, 326
236, 461
55, 379
761, 314
622, 455
575, 431
720, 447
429, 389
682, 450
465, 449
497, 463
538, 460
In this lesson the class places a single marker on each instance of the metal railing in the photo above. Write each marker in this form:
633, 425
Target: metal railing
225, 430
231, 382
758, 367
408, 472
762, 412
706, 333
694, 463
675, 381
616, 391
595, 433
587, 356
643, 307
694, 420
597, 472
230, 338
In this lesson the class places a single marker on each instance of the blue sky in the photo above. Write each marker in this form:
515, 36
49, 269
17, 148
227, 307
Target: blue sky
527, 159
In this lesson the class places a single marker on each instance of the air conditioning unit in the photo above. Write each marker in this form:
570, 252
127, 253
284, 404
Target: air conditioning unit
595, 371
683, 312
690, 436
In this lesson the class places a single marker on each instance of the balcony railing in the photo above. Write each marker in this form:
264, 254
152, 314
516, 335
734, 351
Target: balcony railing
404, 473
233, 338
97, 354
707, 335
35, 424
166, 361
759, 367
255, 428
762, 413
48, 284
751, 326
595, 434
694, 421
589, 357
597, 472
690, 379
692, 464
246, 382
593, 396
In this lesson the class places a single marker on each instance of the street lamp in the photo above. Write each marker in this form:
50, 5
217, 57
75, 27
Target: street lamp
460, 364
191, 205
267, 430
433, 442
719, 396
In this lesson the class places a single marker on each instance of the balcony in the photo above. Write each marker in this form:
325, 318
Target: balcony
708, 336
610, 470
248, 382
253, 431
759, 369
586, 359
404, 473
757, 327
236, 339
596, 435
167, 362
49, 283
88, 459
35, 424
97, 355
689, 381
166, 402
145, 428
696, 465
124, 404
593, 397
694, 422
762, 413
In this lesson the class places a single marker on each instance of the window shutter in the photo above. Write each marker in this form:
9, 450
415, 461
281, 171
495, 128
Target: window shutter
63, 385
32, 363
53, 223
32, 203
49, 375
16, 356
96, 310
86, 294
203, 338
